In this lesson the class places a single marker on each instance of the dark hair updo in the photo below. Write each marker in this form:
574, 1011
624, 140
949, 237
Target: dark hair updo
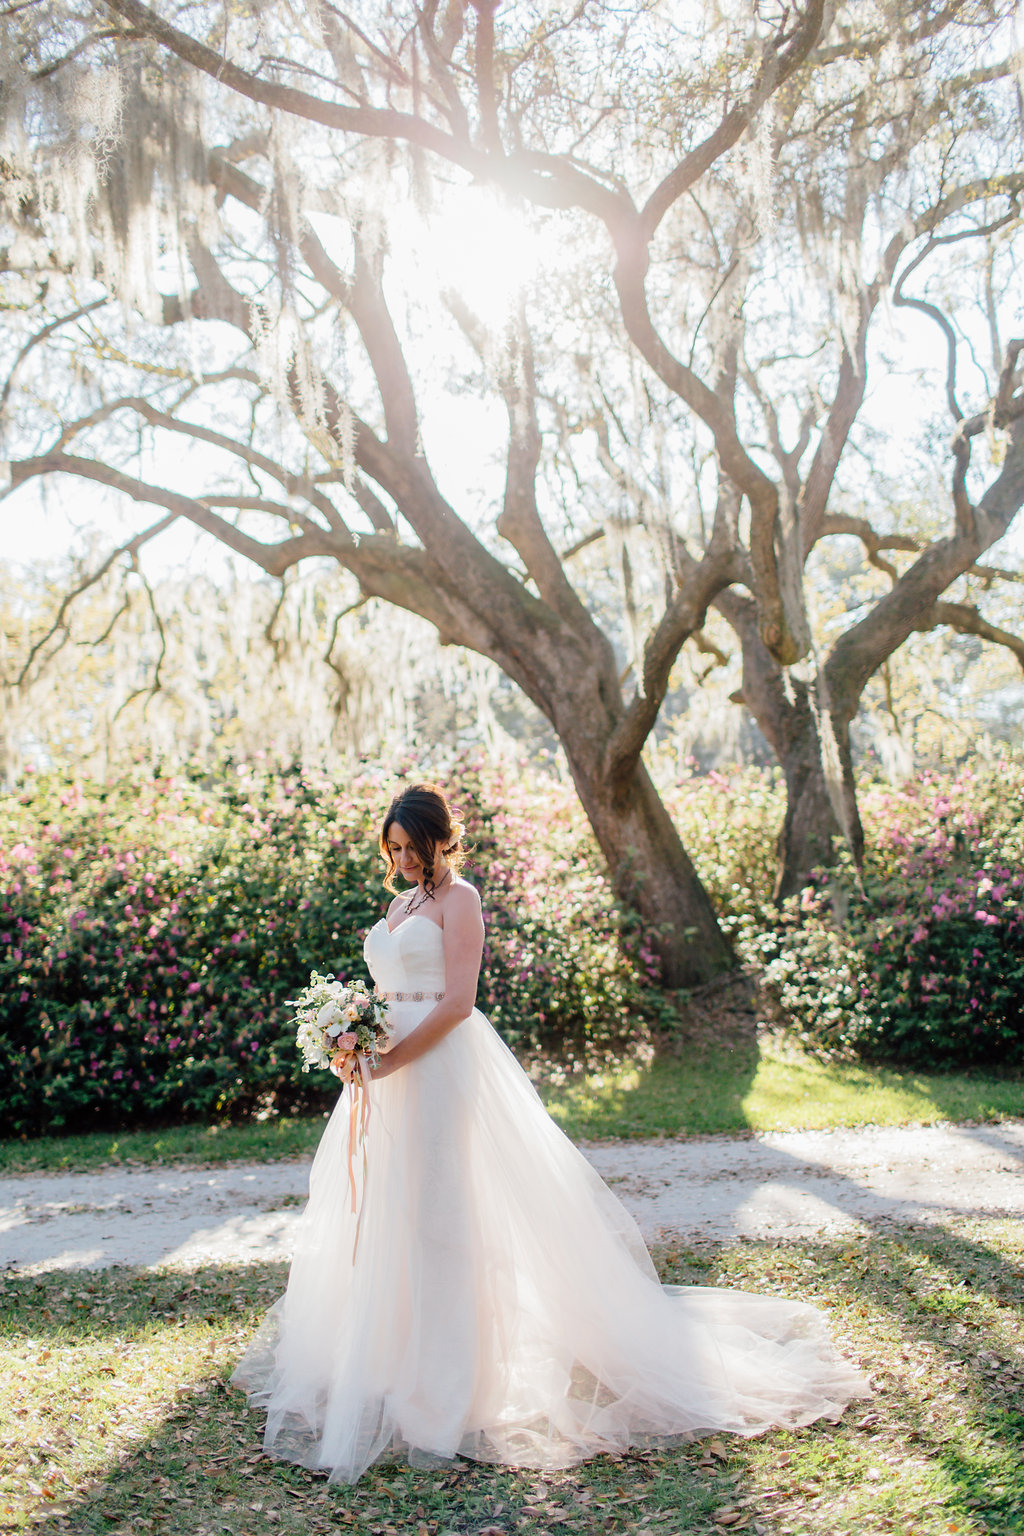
426, 818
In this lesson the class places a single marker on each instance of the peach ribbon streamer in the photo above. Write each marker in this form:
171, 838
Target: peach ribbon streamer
358, 1123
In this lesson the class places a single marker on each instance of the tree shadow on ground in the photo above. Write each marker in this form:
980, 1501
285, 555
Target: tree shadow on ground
196, 1465
697, 1082
931, 1314
944, 1315
959, 1298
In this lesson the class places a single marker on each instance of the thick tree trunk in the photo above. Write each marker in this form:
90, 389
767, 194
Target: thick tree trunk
816, 822
812, 833
651, 872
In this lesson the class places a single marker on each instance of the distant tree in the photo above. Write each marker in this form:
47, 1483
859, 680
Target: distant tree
204, 245
190, 670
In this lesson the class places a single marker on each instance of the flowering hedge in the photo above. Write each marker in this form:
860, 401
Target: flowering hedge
151, 930
926, 966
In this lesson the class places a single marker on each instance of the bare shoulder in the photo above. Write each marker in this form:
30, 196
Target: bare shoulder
463, 900
397, 903
467, 893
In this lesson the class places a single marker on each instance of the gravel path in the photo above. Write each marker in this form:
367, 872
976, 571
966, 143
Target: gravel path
786, 1184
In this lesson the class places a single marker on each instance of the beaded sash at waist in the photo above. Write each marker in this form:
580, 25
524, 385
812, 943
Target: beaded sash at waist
410, 997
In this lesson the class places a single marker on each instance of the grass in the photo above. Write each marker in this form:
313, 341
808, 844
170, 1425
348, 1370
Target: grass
754, 1083
770, 1085
115, 1416
256, 1143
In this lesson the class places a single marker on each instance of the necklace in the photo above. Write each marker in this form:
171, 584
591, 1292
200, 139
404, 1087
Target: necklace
425, 895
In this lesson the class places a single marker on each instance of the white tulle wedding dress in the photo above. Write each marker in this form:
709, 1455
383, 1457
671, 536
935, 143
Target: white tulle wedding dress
500, 1303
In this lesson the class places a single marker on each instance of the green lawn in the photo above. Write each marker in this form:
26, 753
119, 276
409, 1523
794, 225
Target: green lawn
771, 1085
116, 1420
762, 1085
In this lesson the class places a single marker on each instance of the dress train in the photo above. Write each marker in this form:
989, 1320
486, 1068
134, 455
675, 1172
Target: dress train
492, 1298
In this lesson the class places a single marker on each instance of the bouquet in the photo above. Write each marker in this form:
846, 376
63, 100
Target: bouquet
340, 1023
338, 1019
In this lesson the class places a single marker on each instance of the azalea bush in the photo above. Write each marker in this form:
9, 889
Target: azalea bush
923, 963
152, 929
729, 822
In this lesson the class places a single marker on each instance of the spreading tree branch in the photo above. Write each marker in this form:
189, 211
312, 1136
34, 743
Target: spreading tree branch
781, 57
860, 650
272, 558
966, 620
39, 337
295, 485
685, 613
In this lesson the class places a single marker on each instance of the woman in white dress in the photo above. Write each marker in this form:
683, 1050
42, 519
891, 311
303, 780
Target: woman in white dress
490, 1297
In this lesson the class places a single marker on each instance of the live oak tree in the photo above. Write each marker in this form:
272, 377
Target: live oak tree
806, 710
206, 243
790, 276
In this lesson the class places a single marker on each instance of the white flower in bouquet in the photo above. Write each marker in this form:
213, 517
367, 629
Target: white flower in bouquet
309, 1042
328, 1016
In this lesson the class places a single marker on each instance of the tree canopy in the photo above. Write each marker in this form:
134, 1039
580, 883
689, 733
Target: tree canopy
246, 263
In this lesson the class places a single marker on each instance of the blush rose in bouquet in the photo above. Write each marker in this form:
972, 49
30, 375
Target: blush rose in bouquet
337, 1019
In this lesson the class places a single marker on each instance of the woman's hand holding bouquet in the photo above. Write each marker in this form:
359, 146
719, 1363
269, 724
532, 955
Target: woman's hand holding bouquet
345, 1029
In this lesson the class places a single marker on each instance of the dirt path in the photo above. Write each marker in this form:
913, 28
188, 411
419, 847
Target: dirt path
788, 1184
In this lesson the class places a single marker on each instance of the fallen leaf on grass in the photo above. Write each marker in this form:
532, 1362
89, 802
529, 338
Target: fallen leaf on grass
728, 1516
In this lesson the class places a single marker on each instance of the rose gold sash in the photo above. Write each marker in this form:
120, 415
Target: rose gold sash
410, 997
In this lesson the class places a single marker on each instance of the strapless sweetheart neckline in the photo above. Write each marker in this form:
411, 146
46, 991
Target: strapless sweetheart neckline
410, 919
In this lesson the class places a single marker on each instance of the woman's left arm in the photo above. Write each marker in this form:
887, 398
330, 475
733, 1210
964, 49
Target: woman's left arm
463, 933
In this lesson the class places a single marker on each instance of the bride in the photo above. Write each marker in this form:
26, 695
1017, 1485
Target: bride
490, 1297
